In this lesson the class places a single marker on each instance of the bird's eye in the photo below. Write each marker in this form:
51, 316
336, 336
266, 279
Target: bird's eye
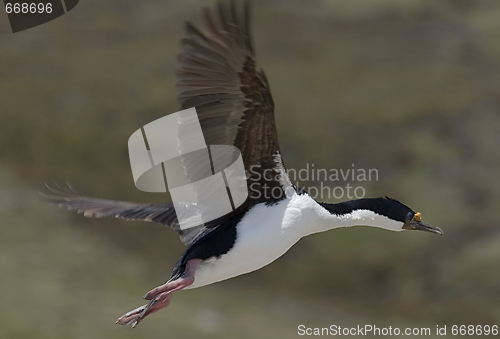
409, 216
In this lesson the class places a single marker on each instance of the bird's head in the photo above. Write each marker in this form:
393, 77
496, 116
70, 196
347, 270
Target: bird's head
413, 221
403, 217
384, 213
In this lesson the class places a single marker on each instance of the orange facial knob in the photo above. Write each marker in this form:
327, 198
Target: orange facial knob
418, 216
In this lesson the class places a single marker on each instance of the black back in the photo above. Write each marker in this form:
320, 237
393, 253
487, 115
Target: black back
212, 242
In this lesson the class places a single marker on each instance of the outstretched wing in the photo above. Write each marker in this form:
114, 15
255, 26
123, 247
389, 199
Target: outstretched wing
217, 74
103, 208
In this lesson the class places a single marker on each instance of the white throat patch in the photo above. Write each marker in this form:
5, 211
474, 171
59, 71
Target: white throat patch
370, 218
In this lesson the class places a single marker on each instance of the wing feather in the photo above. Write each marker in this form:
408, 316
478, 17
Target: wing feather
90, 207
217, 74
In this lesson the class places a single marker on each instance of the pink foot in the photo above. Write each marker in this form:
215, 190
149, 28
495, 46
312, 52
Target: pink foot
160, 296
134, 317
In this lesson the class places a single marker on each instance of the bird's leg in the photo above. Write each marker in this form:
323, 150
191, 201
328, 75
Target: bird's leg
185, 280
160, 296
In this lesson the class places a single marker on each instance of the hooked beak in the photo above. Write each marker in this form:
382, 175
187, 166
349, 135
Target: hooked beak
422, 226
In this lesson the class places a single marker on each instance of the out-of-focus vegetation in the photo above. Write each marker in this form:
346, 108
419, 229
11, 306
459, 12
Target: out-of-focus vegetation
410, 88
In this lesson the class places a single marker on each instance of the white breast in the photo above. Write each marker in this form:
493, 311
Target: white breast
263, 235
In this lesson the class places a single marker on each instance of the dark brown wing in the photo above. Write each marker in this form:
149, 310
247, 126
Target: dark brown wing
103, 208
217, 75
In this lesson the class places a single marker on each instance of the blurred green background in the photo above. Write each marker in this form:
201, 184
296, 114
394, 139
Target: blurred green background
411, 88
